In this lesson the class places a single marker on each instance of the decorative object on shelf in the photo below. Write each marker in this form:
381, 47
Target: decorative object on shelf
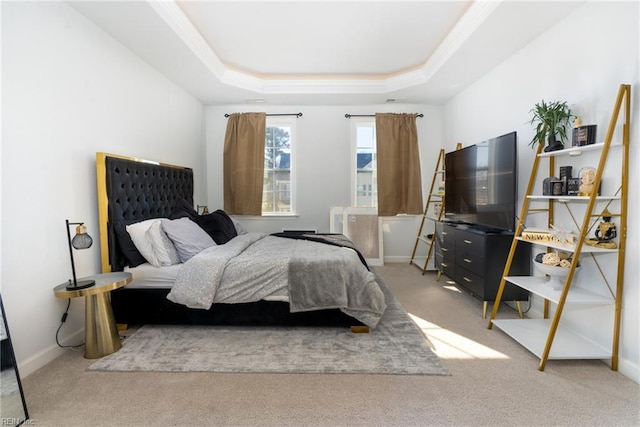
81, 240
547, 185
605, 233
557, 187
202, 209
551, 120
587, 181
559, 234
565, 172
573, 186
583, 134
565, 176
556, 266
546, 236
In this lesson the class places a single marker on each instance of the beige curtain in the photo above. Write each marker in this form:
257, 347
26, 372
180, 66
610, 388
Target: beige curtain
244, 163
399, 178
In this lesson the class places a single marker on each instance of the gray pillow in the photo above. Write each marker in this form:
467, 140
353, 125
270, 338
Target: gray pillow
187, 237
239, 228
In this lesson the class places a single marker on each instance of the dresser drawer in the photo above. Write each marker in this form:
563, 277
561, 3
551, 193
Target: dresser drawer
448, 253
448, 235
470, 281
448, 268
472, 261
469, 242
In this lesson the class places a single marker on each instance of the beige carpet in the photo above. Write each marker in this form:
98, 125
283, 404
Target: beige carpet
493, 382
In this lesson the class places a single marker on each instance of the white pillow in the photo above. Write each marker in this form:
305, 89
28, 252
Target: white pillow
239, 228
187, 236
137, 231
163, 248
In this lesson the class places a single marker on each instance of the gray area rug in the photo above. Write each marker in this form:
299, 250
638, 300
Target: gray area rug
395, 347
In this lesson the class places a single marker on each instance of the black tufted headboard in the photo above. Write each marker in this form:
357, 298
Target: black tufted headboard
131, 190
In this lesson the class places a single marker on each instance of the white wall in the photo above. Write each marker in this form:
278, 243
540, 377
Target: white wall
583, 60
69, 91
323, 153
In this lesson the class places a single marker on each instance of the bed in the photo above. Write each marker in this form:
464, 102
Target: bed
147, 220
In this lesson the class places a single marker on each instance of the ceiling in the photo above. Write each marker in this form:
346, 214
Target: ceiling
324, 52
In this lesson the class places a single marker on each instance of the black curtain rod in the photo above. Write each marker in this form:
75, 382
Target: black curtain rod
348, 116
298, 115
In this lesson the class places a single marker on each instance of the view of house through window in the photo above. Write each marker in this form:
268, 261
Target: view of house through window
277, 194
365, 190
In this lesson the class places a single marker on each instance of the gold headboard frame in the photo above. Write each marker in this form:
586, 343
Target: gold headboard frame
103, 199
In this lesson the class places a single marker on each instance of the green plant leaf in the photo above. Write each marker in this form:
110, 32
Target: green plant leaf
551, 119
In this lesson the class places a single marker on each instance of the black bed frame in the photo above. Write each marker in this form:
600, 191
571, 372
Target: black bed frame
131, 189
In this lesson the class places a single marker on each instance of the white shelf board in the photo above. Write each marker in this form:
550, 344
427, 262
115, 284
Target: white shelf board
572, 198
419, 262
425, 239
576, 151
532, 334
538, 285
568, 247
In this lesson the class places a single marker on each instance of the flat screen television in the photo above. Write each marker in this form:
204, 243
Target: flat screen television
481, 184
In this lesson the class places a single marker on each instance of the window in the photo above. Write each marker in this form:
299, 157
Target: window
277, 193
364, 189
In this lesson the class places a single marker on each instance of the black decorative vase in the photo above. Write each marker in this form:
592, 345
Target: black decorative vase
553, 144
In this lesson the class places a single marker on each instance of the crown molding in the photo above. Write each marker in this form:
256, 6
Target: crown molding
475, 16
175, 18
170, 12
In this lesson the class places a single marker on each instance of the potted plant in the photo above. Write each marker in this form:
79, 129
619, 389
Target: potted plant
551, 119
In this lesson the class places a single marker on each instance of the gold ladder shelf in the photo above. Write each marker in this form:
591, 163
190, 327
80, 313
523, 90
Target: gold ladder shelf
546, 337
436, 197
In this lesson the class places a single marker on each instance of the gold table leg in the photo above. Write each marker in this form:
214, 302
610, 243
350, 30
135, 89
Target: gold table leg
100, 333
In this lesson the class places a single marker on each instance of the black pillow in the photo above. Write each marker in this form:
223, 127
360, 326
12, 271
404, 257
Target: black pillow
183, 208
131, 254
218, 225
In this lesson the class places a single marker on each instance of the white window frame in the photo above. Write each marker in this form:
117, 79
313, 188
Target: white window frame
355, 123
290, 122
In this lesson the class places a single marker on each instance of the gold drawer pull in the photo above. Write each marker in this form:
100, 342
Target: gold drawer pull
444, 233
444, 249
467, 260
444, 264
466, 279
468, 242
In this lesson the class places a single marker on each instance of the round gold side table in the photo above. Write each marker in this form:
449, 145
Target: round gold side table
100, 333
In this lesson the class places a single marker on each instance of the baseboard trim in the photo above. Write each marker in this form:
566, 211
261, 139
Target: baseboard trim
397, 259
47, 355
629, 369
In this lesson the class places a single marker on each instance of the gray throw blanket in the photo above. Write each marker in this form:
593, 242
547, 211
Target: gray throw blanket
253, 266
323, 276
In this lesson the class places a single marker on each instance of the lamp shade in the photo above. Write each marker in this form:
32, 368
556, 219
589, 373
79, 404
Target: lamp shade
81, 240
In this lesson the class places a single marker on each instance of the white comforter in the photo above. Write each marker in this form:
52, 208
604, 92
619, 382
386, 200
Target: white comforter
256, 266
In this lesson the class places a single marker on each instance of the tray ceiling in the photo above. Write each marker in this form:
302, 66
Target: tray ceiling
323, 52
